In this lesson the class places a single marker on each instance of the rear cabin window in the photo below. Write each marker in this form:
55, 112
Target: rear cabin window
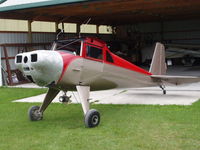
94, 52
109, 57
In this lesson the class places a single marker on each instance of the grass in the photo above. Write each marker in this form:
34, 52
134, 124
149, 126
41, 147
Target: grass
137, 127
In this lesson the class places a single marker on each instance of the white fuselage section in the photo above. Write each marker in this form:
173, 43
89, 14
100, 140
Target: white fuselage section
49, 68
41, 66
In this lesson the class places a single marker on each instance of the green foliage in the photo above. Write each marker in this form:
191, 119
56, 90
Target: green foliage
138, 127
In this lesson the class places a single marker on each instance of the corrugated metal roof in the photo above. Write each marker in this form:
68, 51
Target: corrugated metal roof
39, 4
108, 12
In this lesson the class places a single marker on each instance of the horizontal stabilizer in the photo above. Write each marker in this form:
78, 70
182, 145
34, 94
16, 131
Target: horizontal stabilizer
177, 80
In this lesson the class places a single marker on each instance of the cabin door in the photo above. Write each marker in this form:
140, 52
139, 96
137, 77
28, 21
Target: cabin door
92, 65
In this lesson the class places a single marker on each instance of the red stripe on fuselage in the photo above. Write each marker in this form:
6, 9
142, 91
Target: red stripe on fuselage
127, 65
67, 59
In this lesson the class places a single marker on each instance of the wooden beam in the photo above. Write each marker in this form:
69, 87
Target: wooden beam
30, 40
4, 58
63, 27
97, 29
23, 44
162, 31
78, 29
8, 69
56, 26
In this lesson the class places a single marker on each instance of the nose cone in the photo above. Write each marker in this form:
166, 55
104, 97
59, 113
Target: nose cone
41, 67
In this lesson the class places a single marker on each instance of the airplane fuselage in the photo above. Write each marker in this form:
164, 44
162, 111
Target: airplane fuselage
100, 75
94, 66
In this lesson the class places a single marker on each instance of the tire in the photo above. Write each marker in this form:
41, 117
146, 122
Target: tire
34, 114
92, 118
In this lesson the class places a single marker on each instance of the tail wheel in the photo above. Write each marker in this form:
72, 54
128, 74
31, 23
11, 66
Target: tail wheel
34, 114
92, 118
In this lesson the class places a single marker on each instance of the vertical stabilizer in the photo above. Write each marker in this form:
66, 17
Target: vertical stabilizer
158, 65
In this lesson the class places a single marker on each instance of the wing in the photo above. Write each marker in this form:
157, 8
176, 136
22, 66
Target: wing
177, 80
178, 52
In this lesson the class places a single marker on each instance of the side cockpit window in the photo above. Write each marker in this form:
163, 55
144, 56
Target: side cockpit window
94, 52
109, 57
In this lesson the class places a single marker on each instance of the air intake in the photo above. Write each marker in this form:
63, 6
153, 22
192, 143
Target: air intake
19, 59
34, 58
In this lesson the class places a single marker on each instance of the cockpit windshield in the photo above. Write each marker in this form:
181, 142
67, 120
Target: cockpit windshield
71, 46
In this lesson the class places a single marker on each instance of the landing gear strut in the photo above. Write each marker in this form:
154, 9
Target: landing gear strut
35, 113
92, 116
163, 89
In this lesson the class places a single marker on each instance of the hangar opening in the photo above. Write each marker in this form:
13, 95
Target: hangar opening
131, 29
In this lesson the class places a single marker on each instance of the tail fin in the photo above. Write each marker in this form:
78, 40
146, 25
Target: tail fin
158, 65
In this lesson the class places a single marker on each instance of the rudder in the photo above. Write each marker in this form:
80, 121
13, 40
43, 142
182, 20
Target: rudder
158, 65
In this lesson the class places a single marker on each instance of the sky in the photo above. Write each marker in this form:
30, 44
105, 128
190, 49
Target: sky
18, 2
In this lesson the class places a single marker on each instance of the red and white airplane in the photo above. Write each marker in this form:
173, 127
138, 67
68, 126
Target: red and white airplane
86, 64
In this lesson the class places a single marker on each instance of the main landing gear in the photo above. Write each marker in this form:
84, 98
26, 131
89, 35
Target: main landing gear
35, 113
91, 116
163, 89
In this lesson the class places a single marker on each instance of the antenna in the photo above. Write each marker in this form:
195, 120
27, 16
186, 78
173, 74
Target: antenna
85, 23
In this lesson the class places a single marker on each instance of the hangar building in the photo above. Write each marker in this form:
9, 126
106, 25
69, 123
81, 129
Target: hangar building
133, 28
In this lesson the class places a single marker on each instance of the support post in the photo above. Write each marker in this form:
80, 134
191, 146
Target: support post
97, 29
114, 30
78, 29
56, 26
30, 40
162, 31
8, 69
63, 26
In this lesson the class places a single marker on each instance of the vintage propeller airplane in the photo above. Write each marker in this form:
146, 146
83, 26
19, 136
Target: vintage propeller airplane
86, 64
187, 53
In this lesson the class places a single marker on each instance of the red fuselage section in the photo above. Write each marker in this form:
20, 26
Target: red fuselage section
99, 68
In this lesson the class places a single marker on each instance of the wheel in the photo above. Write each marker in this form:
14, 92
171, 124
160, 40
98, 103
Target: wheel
92, 118
34, 114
